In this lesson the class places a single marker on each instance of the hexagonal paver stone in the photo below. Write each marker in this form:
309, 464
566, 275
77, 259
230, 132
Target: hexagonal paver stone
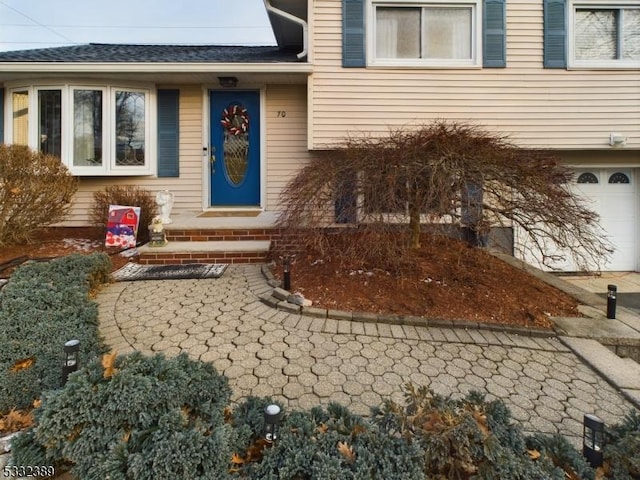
321, 369
370, 398
323, 389
293, 390
336, 378
382, 388
352, 387
246, 382
234, 371
264, 371
307, 379
277, 380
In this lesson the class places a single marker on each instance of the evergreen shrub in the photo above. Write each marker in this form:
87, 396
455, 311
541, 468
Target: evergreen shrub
622, 448
43, 306
142, 417
464, 438
335, 444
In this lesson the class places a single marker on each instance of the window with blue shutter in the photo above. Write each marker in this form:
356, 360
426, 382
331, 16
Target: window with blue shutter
424, 34
555, 29
1, 115
494, 34
353, 34
168, 133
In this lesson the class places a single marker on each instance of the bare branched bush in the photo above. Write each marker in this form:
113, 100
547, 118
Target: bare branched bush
443, 176
36, 190
127, 195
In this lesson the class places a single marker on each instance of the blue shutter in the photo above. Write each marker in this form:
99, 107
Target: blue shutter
168, 133
555, 34
353, 37
1, 115
494, 34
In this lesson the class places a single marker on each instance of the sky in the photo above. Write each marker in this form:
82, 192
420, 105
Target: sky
27, 24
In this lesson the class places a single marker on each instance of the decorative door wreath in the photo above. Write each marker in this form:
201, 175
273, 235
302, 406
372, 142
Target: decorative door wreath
235, 120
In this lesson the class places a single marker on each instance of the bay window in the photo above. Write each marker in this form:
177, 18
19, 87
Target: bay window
87, 127
50, 121
94, 130
20, 117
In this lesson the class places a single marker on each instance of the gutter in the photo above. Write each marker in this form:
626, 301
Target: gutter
294, 19
147, 67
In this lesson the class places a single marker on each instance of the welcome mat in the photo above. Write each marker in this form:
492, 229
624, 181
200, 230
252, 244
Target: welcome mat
134, 271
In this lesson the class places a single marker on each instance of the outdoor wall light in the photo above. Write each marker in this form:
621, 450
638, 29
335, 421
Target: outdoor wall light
70, 365
612, 291
272, 416
228, 82
617, 140
592, 440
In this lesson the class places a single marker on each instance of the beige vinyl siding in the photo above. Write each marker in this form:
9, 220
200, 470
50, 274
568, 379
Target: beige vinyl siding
187, 188
286, 143
536, 107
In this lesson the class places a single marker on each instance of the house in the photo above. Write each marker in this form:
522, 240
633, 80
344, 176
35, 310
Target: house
225, 128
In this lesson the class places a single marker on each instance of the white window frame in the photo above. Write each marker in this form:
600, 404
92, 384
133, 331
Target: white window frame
108, 166
574, 5
133, 169
85, 170
476, 35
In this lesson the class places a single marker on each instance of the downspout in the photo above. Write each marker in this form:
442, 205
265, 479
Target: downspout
294, 19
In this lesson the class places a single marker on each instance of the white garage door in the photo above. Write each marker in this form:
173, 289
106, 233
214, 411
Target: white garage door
612, 193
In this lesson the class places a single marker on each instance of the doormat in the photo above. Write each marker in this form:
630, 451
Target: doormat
251, 213
134, 271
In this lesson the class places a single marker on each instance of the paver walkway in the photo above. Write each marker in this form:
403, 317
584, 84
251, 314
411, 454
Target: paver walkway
303, 361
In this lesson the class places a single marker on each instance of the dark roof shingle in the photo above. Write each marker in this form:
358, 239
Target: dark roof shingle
115, 53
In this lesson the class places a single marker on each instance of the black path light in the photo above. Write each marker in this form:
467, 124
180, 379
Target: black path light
70, 365
612, 292
286, 270
592, 439
272, 416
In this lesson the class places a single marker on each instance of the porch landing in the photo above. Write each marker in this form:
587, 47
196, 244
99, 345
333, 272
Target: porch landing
193, 238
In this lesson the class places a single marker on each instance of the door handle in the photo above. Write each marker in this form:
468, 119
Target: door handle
212, 158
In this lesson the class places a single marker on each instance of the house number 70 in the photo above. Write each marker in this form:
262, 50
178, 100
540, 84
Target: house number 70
281, 114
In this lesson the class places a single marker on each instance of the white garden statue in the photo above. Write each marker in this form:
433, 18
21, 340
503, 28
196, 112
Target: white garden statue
164, 200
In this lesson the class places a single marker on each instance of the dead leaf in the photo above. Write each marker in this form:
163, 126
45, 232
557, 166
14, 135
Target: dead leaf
533, 454
322, 428
37, 403
228, 414
16, 420
108, 362
571, 475
358, 429
481, 420
347, 452
126, 436
22, 364
15, 190
254, 452
237, 459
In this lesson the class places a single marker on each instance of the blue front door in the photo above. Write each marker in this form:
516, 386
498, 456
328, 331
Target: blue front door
235, 148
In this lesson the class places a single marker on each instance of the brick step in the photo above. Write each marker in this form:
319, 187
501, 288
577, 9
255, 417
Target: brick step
220, 234
221, 251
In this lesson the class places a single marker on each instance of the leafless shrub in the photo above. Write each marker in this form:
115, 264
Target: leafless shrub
36, 190
127, 195
380, 194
